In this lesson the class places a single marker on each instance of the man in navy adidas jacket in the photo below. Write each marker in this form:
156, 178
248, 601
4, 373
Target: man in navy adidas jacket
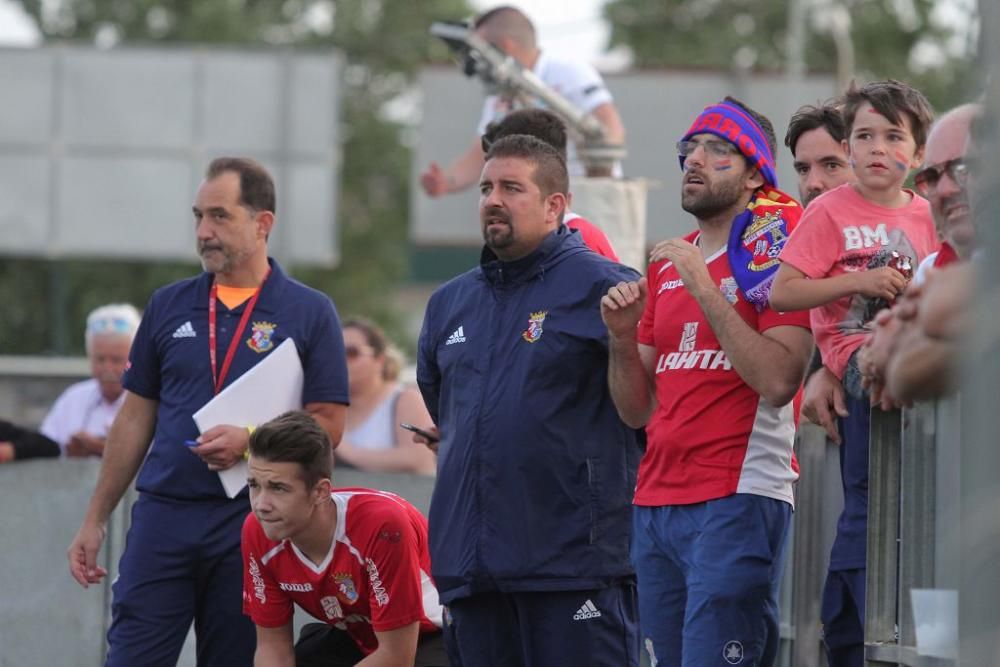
529, 522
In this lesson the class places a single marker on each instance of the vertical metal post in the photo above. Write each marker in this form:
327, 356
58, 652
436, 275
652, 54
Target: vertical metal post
808, 555
948, 513
883, 531
918, 501
57, 300
795, 61
840, 30
282, 250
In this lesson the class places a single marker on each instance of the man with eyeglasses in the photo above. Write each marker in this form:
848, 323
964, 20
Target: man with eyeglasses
943, 182
700, 359
511, 31
78, 422
922, 365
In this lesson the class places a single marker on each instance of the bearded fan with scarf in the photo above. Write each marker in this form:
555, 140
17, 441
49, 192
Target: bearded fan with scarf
701, 360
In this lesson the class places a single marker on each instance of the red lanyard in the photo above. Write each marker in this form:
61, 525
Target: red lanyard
220, 377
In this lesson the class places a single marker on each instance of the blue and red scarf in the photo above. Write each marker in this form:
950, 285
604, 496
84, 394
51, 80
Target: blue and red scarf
759, 233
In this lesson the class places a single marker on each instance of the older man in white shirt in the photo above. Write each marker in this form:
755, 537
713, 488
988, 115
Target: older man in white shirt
78, 421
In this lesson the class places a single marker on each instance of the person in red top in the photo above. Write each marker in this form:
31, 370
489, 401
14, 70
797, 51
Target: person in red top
355, 558
548, 127
699, 359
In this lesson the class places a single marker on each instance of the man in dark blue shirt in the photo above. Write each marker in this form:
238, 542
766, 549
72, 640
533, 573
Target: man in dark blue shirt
530, 517
182, 559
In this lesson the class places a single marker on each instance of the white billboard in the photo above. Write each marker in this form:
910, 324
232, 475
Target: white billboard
101, 151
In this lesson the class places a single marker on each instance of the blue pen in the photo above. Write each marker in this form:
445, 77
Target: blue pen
191, 443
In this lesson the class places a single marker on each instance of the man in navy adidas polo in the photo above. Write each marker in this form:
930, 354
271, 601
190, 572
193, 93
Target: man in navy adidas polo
182, 560
530, 517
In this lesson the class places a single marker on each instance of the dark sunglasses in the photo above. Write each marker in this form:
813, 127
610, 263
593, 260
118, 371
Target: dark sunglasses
926, 180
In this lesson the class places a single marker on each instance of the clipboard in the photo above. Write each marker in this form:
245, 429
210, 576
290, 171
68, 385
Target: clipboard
270, 388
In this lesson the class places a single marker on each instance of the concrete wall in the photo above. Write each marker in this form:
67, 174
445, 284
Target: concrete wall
29, 385
45, 617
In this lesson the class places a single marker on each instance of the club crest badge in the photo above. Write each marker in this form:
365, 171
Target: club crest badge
729, 289
764, 238
260, 336
346, 587
534, 330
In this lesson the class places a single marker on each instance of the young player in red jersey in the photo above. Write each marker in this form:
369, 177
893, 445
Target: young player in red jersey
355, 558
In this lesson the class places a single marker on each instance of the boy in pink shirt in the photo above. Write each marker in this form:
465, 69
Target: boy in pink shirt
839, 260
852, 254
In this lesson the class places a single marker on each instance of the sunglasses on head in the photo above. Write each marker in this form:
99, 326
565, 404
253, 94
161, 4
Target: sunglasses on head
109, 325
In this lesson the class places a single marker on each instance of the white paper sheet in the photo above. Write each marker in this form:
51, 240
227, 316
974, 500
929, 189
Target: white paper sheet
270, 388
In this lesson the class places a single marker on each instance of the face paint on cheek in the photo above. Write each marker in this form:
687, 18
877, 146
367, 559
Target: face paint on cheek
901, 162
723, 165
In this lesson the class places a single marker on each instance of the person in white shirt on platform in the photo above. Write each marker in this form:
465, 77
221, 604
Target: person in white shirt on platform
78, 421
510, 31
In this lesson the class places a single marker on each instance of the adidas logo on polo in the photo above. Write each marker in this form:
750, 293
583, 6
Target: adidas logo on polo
588, 610
457, 336
185, 331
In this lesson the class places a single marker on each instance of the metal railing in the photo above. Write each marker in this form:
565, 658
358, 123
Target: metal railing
818, 503
911, 522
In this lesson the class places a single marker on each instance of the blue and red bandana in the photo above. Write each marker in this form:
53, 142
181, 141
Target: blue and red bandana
758, 233
727, 121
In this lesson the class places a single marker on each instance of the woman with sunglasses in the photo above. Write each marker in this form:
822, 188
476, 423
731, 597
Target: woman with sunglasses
373, 438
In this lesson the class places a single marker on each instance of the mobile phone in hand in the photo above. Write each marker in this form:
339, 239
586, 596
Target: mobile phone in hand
419, 431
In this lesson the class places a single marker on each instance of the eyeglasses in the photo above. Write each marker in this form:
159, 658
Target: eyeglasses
926, 180
354, 352
716, 149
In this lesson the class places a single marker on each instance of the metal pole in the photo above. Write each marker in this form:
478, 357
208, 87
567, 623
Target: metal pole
57, 299
918, 508
795, 61
840, 30
883, 531
810, 554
